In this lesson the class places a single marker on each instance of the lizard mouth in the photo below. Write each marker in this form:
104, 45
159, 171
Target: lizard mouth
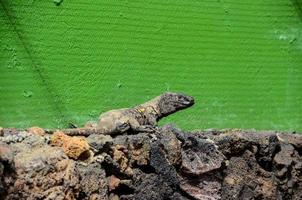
187, 101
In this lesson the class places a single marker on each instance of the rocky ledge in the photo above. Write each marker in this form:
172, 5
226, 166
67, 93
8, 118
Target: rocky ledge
166, 164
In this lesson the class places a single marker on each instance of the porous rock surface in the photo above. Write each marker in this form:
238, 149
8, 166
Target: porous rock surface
167, 164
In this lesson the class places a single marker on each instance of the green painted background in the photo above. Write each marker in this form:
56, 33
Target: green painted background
241, 60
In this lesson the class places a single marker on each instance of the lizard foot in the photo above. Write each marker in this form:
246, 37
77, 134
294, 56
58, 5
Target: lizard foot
145, 128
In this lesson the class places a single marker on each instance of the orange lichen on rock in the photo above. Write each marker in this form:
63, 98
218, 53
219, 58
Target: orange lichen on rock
59, 138
113, 182
36, 131
74, 147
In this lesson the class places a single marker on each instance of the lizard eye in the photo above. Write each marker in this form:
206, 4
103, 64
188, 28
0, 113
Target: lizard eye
186, 100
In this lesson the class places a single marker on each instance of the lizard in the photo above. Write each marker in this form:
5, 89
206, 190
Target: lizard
141, 118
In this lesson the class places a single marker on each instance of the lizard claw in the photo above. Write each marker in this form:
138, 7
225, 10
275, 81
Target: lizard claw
145, 128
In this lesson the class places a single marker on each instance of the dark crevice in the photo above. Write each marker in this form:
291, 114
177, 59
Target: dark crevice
147, 169
299, 150
112, 168
9, 171
124, 190
266, 154
82, 195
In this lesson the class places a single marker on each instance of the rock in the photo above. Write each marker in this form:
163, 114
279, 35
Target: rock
149, 186
39, 174
1, 131
77, 148
120, 155
163, 165
113, 182
285, 156
59, 138
74, 147
114, 197
138, 148
171, 145
178, 196
267, 148
230, 144
295, 140
139, 154
6, 154
204, 187
93, 183
245, 179
14, 137
10, 131
100, 143
200, 156
36, 131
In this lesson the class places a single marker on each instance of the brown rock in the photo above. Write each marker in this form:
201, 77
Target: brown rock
36, 131
99, 143
6, 154
58, 139
138, 148
120, 155
267, 188
97, 197
113, 182
295, 140
246, 179
140, 156
114, 197
285, 156
129, 171
230, 180
202, 188
205, 165
77, 148
171, 146
200, 156
93, 183
74, 147
37, 177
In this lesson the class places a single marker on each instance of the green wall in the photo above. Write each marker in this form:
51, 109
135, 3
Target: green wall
241, 60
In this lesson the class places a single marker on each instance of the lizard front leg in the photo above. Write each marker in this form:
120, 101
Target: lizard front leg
137, 127
122, 127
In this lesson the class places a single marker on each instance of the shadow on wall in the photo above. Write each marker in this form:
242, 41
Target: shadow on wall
54, 100
298, 6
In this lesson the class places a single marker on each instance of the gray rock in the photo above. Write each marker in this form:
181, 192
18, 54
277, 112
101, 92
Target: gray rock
100, 143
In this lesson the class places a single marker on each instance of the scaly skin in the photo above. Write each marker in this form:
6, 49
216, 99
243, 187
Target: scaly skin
141, 118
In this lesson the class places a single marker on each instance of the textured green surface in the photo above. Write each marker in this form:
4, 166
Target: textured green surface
241, 60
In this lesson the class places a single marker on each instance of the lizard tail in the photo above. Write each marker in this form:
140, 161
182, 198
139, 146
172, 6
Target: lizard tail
77, 131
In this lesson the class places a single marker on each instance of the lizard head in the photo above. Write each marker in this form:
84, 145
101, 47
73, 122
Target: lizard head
170, 102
